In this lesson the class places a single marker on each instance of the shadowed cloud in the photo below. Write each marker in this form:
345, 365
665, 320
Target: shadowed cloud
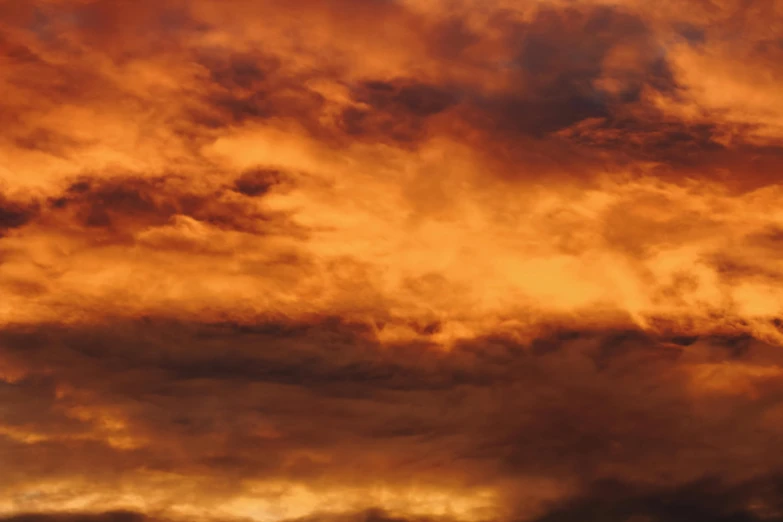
112, 516
707, 499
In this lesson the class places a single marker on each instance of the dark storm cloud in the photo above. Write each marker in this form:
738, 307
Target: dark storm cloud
560, 61
559, 64
710, 500
585, 74
594, 403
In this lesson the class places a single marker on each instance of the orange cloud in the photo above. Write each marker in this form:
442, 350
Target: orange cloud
384, 260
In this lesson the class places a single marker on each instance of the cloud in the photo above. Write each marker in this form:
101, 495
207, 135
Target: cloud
390, 261
324, 404
114, 516
139, 203
15, 214
707, 499
370, 515
574, 64
399, 112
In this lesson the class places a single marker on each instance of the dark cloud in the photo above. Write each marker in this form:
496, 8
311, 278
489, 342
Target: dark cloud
368, 515
104, 25
647, 136
245, 88
47, 141
398, 111
594, 403
15, 214
560, 64
112, 516
371, 515
415, 99
586, 75
693, 34
705, 500
239, 71
127, 204
561, 73
257, 182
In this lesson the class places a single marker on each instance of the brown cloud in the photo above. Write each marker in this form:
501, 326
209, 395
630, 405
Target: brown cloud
323, 404
15, 214
112, 516
703, 500
370, 515
135, 204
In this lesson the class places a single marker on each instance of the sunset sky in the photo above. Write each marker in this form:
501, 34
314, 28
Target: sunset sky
391, 260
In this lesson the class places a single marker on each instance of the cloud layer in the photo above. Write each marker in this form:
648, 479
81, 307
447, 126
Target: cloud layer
390, 261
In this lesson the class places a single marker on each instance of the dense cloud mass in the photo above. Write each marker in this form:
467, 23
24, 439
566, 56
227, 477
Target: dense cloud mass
391, 261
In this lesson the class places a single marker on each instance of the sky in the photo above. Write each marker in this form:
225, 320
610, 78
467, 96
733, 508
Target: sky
391, 261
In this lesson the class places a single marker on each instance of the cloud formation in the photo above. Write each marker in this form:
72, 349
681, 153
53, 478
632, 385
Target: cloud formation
390, 261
